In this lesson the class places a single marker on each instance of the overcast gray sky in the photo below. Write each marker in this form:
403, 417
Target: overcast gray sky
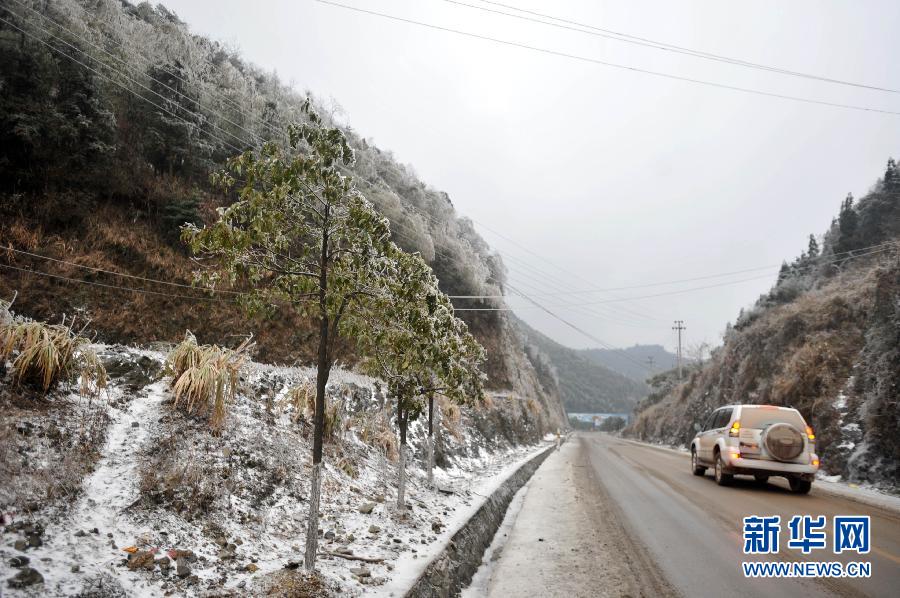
617, 177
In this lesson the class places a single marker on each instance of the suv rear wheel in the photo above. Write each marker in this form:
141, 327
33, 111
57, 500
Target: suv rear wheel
799, 486
696, 468
722, 478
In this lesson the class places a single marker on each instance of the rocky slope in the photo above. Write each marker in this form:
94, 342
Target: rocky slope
825, 340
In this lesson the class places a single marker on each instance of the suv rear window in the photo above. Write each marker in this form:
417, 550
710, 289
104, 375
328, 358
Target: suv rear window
758, 418
722, 418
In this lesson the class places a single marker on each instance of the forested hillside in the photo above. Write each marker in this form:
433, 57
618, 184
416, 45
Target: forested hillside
638, 362
584, 385
112, 117
825, 339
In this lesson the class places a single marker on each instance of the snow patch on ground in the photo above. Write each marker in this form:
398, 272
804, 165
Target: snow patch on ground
91, 538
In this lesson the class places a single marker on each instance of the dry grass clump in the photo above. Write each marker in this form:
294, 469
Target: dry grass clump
347, 465
302, 401
451, 417
47, 354
205, 377
375, 430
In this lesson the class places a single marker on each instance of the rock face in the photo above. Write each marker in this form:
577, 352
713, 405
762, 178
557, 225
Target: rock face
454, 567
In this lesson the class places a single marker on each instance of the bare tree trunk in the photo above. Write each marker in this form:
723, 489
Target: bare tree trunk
431, 440
401, 484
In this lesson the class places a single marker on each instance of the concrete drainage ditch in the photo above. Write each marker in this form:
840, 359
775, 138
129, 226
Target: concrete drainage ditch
453, 568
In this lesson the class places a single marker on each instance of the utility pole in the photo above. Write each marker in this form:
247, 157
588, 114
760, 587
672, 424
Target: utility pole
678, 327
650, 363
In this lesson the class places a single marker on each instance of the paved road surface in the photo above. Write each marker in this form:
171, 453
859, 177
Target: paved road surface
652, 528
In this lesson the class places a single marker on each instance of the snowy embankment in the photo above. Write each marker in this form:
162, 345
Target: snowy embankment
169, 507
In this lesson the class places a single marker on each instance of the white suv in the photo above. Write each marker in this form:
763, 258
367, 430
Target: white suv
757, 440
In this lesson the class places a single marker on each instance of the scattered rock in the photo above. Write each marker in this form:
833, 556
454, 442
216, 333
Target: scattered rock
436, 525
367, 508
135, 424
291, 565
142, 559
350, 537
360, 571
24, 578
20, 545
80, 533
182, 569
18, 561
34, 540
374, 529
251, 568
75, 568
379, 498
329, 535
187, 555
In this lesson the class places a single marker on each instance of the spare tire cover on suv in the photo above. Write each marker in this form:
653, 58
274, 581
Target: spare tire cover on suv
783, 441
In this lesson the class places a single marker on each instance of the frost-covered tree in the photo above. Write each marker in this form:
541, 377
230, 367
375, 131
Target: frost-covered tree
300, 234
813, 250
426, 351
848, 221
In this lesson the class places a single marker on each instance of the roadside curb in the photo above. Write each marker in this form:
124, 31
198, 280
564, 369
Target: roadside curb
453, 568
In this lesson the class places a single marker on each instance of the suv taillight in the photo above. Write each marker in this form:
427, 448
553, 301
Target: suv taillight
809, 433
735, 428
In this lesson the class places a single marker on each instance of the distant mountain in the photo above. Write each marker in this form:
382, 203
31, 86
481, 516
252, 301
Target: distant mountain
633, 361
584, 385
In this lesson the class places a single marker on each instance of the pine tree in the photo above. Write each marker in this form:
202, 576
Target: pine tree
848, 222
891, 177
813, 251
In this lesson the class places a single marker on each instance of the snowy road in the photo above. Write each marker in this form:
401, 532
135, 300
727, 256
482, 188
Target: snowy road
606, 516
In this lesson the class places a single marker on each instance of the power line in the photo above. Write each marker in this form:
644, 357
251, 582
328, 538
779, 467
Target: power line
114, 273
111, 80
666, 294
113, 286
606, 63
863, 251
649, 43
577, 328
134, 70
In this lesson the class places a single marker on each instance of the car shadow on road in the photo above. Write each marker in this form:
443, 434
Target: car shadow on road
773, 485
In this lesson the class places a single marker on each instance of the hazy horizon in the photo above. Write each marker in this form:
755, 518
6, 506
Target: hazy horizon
614, 178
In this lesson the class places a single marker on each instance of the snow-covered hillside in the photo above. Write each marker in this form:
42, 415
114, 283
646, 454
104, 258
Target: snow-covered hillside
126, 496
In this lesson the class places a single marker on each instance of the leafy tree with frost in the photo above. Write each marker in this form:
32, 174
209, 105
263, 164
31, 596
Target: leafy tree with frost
426, 352
301, 234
